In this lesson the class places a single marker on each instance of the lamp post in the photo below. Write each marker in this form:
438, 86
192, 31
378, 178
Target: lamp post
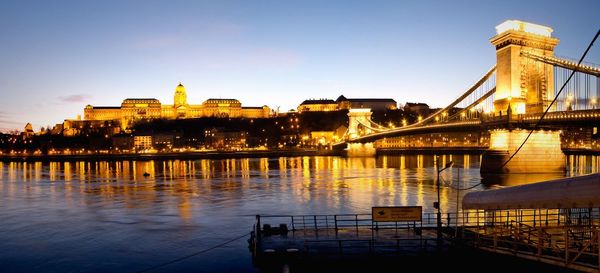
437, 204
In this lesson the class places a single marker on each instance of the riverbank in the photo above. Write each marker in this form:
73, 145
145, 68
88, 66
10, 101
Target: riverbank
431, 150
166, 156
250, 154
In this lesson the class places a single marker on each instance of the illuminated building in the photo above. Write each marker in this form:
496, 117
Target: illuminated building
28, 132
142, 142
343, 103
217, 138
420, 108
151, 108
320, 105
327, 137
373, 104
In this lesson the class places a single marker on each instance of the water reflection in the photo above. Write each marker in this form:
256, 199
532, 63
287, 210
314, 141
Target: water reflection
179, 206
347, 184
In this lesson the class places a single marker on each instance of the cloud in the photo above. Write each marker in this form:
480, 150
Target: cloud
75, 98
5, 121
6, 118
7, 124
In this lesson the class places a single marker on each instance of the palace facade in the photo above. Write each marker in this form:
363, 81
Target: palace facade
343, 103
151, 108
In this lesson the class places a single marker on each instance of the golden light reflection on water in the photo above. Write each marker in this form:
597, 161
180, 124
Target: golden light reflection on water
335, 184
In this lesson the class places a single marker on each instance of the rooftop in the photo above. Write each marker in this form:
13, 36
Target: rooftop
222, 100
524, 27
141, 99
318, 101
106, 107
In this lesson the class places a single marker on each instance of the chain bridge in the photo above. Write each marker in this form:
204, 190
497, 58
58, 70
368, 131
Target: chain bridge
527, 82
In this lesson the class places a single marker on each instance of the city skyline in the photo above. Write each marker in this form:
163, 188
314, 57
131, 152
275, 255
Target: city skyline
63, 56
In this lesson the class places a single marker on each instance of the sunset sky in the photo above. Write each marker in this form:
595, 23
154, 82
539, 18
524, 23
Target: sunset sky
58, 56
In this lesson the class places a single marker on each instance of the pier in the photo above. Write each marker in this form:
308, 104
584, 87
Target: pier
556, 223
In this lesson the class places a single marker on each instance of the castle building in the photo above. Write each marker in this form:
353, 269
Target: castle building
420, 108
343, 103
150, 108
319, 105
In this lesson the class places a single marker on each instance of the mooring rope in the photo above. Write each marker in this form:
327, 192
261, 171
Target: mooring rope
194, 254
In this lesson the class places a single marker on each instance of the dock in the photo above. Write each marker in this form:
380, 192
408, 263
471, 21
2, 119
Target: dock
342, 235
553, 225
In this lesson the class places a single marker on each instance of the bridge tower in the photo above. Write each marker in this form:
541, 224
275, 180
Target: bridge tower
357, 117
523, 86
359, 121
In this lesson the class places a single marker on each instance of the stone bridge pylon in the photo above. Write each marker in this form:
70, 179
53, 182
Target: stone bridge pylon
523, 86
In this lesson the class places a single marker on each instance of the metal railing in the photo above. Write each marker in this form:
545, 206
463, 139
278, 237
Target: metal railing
575, 247
466, 218
349, 221
563, 237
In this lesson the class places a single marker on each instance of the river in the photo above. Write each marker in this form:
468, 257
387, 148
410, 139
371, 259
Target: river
128, 216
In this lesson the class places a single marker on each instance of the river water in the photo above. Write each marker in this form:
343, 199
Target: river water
128, 216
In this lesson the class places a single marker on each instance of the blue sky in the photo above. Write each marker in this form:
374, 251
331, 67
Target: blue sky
58, 56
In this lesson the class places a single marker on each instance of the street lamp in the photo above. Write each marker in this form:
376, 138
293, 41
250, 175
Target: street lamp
437, 204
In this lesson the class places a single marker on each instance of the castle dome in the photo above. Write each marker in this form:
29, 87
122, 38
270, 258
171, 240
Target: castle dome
180, 97
180, 88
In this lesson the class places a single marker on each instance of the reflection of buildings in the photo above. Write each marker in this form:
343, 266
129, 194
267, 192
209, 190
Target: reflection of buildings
150, 108
343, 103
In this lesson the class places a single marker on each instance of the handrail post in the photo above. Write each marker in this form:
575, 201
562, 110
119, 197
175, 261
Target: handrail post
258, 232
495, 240
540, 243
567, 246
598, 236
336, 226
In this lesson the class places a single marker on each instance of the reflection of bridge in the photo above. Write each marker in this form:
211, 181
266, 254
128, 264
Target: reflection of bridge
512, 95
